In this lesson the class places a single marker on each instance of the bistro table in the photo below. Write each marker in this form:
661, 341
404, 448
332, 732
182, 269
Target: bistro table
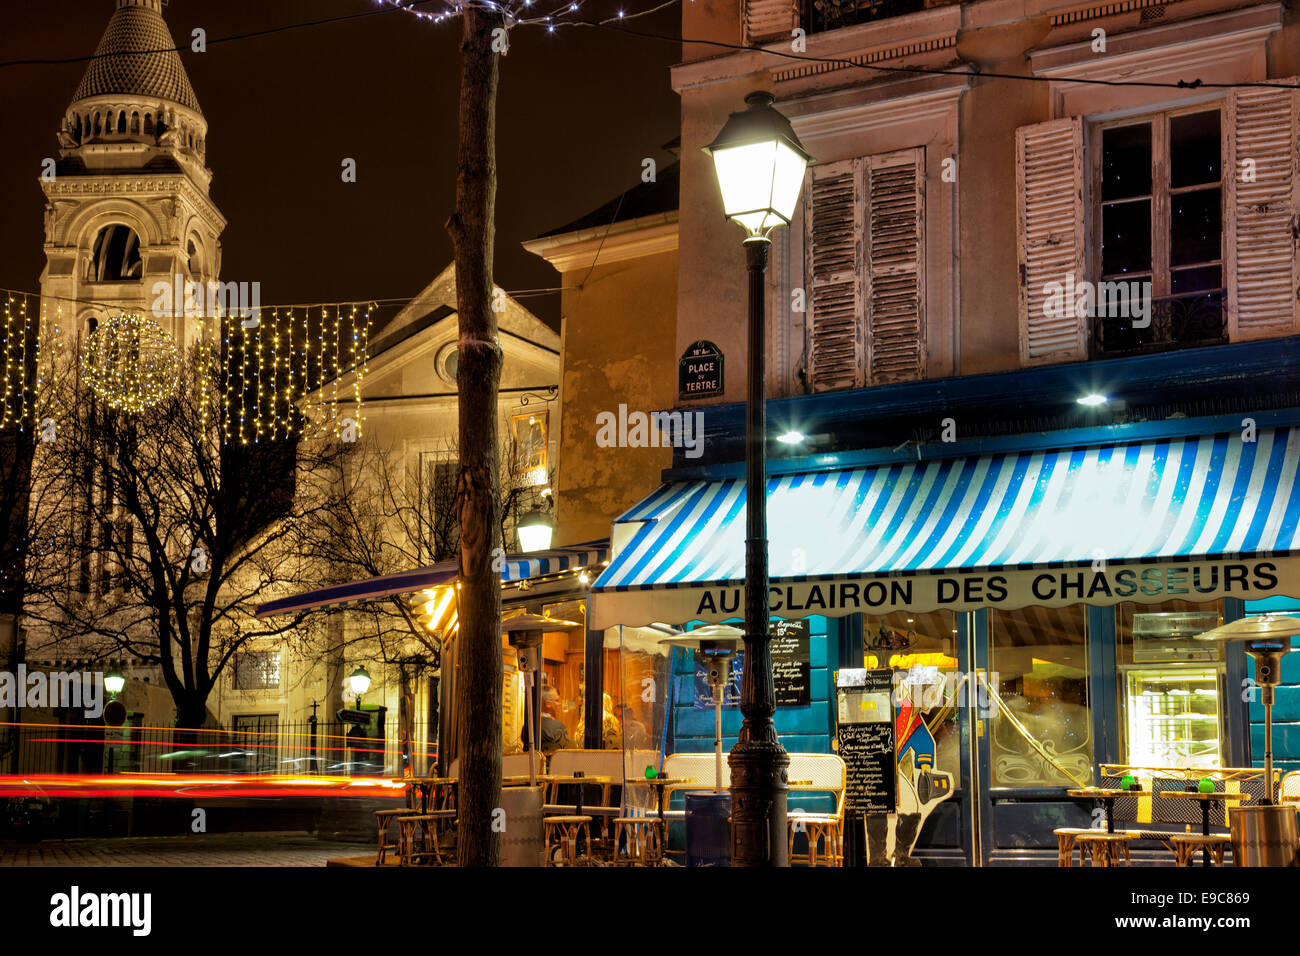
426, 786
1206, 799
660, 785
1103, 795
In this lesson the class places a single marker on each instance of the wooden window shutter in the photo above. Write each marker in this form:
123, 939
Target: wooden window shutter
767, 20
836, 357
895, 266
1049, 235
1262, 273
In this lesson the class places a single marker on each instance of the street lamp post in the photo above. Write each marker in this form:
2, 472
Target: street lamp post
760, 166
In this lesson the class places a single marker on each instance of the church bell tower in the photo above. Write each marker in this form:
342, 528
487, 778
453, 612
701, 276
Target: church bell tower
127, 203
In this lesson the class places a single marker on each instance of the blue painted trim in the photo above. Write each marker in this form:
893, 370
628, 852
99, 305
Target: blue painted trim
1099, 435
1103, 680
979, 631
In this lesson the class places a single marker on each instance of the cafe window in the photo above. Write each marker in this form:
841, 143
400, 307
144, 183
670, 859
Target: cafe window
928, 694
1041, 727
1170, 684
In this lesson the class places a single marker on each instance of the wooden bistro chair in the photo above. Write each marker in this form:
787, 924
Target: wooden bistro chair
1065, 839
818, 773
384, 818
1186, 845
427, 824
562, 835
1104, 848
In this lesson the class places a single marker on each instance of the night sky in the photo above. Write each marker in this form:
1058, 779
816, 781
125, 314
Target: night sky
578, 111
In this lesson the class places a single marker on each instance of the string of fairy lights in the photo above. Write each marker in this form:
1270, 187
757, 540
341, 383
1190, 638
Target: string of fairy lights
296, 370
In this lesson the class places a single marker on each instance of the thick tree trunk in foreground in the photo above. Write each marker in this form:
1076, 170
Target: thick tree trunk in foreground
478, 683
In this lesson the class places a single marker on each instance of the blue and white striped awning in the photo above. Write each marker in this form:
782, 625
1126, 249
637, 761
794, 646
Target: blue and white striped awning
868, 539
516, 567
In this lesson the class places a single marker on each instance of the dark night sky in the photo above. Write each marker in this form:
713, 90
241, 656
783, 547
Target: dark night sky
578, 111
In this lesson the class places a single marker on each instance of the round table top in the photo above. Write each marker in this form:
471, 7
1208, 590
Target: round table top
424, 781
1094, 793
1197, 795
657, 781
521, 780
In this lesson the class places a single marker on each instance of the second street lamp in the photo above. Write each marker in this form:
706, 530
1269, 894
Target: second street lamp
760, 166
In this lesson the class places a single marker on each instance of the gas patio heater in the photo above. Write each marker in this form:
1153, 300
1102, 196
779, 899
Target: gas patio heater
525, 635
1266, 834
714, 645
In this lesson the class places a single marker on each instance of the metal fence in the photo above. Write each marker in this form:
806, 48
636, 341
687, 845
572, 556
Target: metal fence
305, 747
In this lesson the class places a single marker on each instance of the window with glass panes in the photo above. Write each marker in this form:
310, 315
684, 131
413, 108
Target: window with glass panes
1158, 217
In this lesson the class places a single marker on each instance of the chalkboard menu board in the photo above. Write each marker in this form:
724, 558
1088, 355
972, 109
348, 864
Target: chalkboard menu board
792, 663
867, 748
868, 753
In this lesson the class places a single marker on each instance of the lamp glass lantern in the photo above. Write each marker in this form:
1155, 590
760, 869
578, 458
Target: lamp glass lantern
114, 682
760, 165
535, 530
359, 682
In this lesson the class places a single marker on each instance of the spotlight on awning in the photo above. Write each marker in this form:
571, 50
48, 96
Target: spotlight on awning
1093, 398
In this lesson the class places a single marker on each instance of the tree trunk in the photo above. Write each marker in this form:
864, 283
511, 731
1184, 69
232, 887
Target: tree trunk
478, 694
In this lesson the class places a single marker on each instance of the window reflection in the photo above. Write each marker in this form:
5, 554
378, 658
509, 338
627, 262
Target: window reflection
1042, 729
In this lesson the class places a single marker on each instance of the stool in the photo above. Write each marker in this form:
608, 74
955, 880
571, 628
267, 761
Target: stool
1185, 846
562, 834
407, 855
384, 818
1065, 837
645, 842
1104, 848
822, 829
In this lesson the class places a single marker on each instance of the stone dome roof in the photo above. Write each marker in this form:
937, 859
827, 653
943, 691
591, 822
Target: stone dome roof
137, 56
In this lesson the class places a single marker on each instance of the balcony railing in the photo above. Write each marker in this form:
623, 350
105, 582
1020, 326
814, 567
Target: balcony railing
1175, 322
823, 15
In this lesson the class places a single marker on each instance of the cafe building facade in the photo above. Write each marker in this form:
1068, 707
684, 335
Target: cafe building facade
1021, 501
1035, 595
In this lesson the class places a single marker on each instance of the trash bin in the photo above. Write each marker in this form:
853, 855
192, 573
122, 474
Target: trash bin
708, 828
523, 842
1264, 836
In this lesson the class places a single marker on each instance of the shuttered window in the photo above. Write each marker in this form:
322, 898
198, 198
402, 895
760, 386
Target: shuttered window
867, 249
1049, 234
767, 20
1263, 208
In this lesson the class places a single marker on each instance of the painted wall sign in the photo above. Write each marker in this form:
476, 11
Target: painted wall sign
1152, 583
700, 371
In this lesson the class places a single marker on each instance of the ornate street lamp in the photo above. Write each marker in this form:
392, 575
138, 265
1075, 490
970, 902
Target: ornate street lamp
535, 530
359, 683
760, 167
114, 681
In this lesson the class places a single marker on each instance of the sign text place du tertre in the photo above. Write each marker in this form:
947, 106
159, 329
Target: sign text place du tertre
700, 371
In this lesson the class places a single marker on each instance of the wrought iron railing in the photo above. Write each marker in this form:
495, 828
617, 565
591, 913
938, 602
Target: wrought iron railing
818, 16
1172, 322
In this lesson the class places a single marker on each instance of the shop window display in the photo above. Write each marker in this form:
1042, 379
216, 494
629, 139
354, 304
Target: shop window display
1041, 726
1170, 684
928, 690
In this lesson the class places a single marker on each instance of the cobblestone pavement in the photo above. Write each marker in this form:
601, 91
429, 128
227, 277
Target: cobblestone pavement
201, 849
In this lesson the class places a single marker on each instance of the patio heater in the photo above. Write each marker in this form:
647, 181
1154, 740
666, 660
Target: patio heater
1266, 834
714, 645
525, 635
523, 843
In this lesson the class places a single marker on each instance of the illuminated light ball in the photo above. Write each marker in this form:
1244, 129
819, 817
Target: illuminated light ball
131, 362
1206, 785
